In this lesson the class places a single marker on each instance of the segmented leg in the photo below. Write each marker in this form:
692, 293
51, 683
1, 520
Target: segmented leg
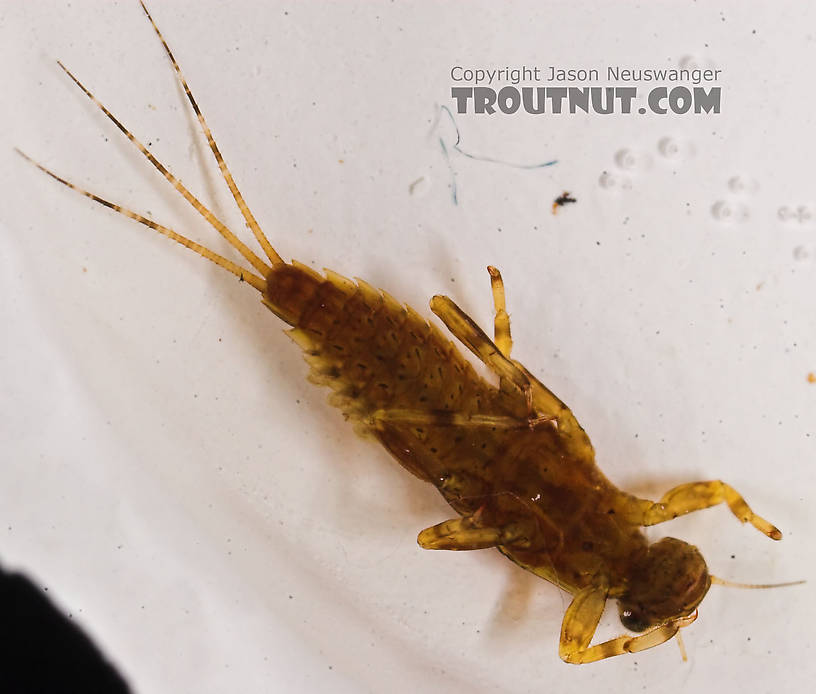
444, 418
695, 496
581, 621
542, 404
475, 339
545, 400
501, 323
468, 533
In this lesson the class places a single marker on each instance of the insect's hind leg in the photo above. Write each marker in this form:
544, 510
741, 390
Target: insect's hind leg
475, 339
542, 406
695, 496
501, 321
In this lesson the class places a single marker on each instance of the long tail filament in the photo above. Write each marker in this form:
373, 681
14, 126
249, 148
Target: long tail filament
256, 280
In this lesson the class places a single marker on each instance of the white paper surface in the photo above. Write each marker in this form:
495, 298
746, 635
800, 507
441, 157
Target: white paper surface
196, 505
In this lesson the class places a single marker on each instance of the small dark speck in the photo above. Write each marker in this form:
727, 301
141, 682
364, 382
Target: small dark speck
45, 588
733, 556
291, 596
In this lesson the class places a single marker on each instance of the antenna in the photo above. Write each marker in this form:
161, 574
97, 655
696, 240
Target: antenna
733, 584
682, 645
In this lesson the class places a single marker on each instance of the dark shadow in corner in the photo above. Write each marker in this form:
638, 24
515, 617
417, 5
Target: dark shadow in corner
43, 651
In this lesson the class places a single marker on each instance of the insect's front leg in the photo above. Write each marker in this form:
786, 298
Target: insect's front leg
695, 496
581, 621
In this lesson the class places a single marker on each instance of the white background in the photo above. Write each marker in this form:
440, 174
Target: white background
192, 501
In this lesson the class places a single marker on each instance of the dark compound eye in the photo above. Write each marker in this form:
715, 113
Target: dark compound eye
633, 621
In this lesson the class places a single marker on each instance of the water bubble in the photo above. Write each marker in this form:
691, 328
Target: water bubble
784, 213
668, 147
626, 159
743, 214
607, 180
742, 185
722, 211
804, 214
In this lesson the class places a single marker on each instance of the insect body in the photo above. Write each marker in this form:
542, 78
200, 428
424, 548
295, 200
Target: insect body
512, 461
564, 199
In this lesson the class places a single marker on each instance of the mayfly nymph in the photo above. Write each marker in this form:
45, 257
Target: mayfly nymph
512, 461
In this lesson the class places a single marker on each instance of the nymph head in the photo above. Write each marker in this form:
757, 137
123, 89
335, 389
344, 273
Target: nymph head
666, 582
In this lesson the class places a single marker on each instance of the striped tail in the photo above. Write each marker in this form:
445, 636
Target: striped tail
258, 277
